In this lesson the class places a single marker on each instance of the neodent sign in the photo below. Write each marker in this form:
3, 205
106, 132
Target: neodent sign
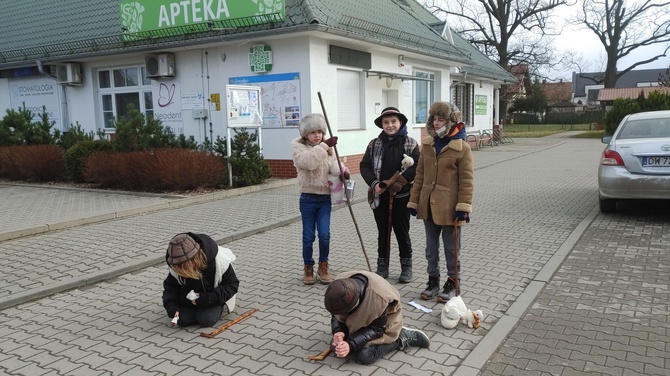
139, 16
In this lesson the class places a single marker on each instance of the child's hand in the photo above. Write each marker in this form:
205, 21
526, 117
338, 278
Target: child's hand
337, 338
342, 349
175, 319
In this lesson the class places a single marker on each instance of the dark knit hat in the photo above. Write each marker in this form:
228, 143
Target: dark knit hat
342, 296
388, 111
181, 249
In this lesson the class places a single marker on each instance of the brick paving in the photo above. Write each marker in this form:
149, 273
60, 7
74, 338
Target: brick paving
537, 258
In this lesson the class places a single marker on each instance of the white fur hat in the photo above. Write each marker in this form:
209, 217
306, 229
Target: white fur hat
311, 123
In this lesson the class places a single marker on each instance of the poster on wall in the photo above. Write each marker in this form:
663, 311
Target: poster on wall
480, 104
38, 94
280, 97
244, 106
167, 104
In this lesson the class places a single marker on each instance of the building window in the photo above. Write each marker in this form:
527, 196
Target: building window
424, 96
349, 99
463, 97
120, 87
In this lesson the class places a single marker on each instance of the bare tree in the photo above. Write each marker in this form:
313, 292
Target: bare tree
622, 28
513, 32
664, 78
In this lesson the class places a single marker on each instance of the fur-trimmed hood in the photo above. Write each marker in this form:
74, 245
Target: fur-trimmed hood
444, 110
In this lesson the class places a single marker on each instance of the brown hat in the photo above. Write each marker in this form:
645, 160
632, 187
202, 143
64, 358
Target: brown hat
342, 296
389, 111
181, 249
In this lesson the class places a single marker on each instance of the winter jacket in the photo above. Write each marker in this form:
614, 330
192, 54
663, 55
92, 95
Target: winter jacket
380, 303
217, 286
313, 166
392, 155
444, 183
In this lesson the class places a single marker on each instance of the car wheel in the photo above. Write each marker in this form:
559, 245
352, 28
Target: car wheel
607, 205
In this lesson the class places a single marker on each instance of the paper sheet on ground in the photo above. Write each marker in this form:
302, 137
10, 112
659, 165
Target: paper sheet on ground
419, 306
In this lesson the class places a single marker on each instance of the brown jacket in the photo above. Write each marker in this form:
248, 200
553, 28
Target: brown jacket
380, 297
443, 183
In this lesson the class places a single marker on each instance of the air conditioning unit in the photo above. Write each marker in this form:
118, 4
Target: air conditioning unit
69, 73
160, 65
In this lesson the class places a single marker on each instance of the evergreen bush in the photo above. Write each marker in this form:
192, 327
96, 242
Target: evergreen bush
75, 157
247, 163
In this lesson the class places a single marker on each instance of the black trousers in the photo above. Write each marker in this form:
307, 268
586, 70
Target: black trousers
399, 224
371, 353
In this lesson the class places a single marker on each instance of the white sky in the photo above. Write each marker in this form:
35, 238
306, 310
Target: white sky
584, 41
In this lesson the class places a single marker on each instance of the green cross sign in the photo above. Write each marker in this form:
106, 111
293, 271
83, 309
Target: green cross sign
260, 58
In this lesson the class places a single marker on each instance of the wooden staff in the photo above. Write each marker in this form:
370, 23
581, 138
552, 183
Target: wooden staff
346, 194
228, 324
321, 356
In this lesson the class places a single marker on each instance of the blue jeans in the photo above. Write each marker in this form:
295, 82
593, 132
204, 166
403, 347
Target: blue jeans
433, 247
315, 211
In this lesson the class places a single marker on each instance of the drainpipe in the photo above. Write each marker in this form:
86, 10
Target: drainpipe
65, 119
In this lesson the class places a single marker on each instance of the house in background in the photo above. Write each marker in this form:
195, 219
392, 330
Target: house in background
586, 86
606, 97
210, 68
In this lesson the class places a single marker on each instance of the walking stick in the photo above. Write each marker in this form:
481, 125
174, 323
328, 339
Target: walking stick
456, 243
228, 324
388, 237
346, 193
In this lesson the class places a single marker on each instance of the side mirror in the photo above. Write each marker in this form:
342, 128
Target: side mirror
606, 139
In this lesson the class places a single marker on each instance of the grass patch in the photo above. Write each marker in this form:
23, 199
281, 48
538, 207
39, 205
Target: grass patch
590, 134
543, 130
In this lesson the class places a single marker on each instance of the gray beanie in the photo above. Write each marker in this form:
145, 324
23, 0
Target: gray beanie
181, 249
311, 123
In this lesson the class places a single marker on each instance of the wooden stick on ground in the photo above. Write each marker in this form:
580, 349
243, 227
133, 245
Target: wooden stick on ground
228, 324
321, 356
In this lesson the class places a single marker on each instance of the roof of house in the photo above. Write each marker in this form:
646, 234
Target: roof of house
56, 30
629, 79
53, 30
611, 94
557, 91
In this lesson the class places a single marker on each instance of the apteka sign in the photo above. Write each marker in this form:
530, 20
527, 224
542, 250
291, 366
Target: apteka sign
147, 15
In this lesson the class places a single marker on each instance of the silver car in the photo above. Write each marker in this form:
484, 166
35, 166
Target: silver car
636, 162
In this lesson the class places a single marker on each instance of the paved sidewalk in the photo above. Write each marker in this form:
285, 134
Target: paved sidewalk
534, 199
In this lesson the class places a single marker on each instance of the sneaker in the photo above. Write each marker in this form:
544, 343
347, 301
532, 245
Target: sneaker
412, 337
433, 286
448, 291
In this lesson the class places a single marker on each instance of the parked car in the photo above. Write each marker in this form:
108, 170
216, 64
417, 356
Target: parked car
636, 162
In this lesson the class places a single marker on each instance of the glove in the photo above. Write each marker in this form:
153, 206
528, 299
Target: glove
462, 216
347, 175
386, 184
331, 141
412, 212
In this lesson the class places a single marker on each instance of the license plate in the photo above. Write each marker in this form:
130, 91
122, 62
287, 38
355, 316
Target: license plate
656, 161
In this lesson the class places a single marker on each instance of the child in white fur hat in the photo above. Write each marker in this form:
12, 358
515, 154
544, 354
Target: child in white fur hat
312, 158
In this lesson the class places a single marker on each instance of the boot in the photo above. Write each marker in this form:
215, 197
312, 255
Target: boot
322, 273
308, 279
433, 286
448, 290
383, 267
412, 337
405, 270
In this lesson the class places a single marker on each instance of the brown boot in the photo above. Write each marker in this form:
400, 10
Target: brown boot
308, 279
324, 277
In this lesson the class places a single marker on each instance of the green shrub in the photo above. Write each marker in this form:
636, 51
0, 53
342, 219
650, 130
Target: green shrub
620, 108
247, 163
73, 136
18, 128
75, 157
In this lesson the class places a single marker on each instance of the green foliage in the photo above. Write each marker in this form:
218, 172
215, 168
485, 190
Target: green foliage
655, 101
620, 108
136, 132
18, 128
73, 136
75, 157
535, 102
246, 161
220, 147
